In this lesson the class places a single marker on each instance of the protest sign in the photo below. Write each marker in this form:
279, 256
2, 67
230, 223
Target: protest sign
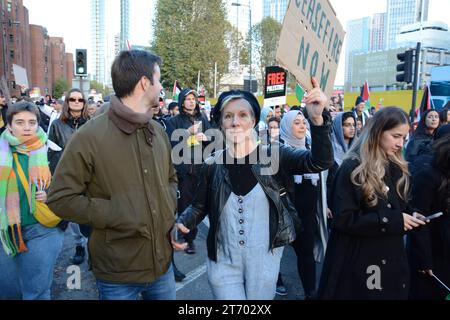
311, 43
275, 86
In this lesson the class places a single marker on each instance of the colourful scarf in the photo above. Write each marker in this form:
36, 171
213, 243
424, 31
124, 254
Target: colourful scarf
39, 176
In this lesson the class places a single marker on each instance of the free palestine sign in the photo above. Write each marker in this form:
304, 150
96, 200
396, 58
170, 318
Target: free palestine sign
275, 86
311, 43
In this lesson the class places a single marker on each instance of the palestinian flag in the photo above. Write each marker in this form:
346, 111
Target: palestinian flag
299, 93
176, 91
426, 102
365, 94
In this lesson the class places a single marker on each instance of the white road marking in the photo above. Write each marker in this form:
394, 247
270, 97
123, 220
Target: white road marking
191, 276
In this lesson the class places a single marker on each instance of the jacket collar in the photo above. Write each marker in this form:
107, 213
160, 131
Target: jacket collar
129, 121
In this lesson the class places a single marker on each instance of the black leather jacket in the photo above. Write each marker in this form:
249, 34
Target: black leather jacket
214, 188
60, 133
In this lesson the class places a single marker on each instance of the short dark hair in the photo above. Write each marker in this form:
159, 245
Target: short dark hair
274, 119
128, 69
21, 107
173, 105
347, 115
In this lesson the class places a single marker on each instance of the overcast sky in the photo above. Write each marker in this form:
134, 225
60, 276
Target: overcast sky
71, 18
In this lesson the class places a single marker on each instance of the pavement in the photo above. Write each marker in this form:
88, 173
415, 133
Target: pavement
194, 287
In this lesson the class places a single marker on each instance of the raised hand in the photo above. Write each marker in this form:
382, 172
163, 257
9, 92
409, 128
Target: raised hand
315, 101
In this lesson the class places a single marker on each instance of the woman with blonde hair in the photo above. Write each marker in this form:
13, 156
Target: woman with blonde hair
366, 256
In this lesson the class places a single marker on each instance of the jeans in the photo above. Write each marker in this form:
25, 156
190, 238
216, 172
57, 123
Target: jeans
162, 288
29, 275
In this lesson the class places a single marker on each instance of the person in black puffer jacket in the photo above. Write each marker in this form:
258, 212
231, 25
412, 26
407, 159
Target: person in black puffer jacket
195, 124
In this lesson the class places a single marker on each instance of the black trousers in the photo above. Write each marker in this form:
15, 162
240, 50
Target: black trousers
306, 196
187, 185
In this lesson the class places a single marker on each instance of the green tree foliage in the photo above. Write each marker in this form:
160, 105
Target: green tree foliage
59, 87
239, 46
190, 36
266, 36
100, 88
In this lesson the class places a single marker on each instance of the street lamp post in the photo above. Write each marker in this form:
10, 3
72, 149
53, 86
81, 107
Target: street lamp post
236, 4
4, 49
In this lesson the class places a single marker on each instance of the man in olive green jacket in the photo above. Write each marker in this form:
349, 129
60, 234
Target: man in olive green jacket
116, 175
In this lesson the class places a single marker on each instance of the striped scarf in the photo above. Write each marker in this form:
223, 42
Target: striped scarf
39, 175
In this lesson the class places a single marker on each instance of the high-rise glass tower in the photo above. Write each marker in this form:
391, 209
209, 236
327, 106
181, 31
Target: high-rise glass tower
97, 53
124, 23
275, 9
357, 38
378, 32
401, 13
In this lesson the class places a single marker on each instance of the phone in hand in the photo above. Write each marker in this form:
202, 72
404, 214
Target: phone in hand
176, 235
431, 217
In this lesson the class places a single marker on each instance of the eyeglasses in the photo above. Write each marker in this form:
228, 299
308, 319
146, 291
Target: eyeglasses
76, 100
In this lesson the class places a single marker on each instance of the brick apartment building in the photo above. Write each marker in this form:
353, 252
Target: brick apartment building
30, 47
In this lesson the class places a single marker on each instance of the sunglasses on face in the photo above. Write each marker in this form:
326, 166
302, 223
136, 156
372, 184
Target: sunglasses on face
75, 100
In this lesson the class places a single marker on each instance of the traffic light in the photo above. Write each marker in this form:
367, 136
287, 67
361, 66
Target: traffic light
81, 61
406, 67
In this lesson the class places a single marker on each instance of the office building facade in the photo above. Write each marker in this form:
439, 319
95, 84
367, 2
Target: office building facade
401, 13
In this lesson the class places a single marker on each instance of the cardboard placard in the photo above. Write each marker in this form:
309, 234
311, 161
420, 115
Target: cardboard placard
311, 43
275, 86
20, 76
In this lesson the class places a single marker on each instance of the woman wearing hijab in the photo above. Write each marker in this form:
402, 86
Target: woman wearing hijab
263, 125
343, 135
305, 193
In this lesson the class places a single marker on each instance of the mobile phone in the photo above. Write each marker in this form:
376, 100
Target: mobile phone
174, 233
433, 216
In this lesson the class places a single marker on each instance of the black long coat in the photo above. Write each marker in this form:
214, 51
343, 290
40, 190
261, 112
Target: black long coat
429, 246
365, 242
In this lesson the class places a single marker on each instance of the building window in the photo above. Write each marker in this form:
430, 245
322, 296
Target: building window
11, 54
11, 38
9, 5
